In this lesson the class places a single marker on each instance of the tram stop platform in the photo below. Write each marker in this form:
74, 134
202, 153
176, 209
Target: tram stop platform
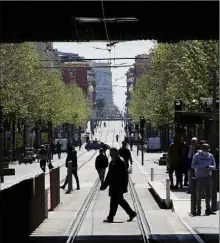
204, 228
163, 224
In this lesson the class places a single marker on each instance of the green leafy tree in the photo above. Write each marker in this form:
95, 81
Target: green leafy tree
181, 70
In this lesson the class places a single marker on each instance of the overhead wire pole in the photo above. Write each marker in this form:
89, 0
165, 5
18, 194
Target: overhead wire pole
214, 121
1, 136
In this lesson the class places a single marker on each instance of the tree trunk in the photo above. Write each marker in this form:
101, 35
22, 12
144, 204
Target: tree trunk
13, 141
5, 145
50, 135
24, 139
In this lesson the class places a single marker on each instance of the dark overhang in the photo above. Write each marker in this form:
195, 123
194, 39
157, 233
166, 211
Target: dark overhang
165, 21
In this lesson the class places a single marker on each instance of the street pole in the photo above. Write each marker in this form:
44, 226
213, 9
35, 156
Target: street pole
142, 146
1, 144
214, 115
1, 136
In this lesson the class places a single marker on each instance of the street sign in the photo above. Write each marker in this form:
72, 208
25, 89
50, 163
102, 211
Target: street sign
178, 105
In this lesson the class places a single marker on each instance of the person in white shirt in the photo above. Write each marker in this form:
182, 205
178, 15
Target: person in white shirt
203, 163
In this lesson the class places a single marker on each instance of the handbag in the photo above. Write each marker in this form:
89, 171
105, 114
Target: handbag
130, 169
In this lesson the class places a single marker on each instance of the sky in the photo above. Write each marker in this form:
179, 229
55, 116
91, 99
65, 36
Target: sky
121, 50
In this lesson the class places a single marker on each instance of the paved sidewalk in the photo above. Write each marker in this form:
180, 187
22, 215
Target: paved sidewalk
207, 227
60, 220
25, 171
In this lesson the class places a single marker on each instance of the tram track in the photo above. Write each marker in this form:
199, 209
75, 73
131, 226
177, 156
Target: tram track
64, 164
79, 219
85, 162
141, 218
36, 173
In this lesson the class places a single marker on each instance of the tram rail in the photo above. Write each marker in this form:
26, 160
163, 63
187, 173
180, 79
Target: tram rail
141, 218
79, 219
64, 164
33, 174
142, 221
85, 162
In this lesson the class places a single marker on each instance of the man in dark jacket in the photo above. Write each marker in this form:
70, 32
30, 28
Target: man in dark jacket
125, 153
174, 160
52, 148
43, 157
117, 180
69, 145
72, 156
80, 143
101, 163
58, 148
192, 150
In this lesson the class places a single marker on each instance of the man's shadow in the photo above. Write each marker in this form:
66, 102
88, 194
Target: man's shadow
115, 222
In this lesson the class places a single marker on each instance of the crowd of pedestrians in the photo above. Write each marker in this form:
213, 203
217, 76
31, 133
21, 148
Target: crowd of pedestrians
192, 160
47, 151
116, 179
185, 160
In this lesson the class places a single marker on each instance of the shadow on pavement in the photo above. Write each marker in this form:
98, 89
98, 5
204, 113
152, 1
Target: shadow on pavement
160, 204
208, 238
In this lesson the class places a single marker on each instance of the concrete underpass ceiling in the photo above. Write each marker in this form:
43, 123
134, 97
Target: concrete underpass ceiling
56, 21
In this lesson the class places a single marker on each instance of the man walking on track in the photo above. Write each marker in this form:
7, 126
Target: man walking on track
117, 180
72, 156
101, 163
125, 153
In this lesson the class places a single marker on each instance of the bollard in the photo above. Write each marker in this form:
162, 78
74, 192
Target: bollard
193, 196
168, 193
137, 149
214, 190
152, 174
70, 178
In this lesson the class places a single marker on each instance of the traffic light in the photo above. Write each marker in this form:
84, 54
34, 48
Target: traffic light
142, 122
178, 105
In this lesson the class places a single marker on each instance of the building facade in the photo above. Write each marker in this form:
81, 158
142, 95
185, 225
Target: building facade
134, 73
68, 71
92, 90
76, 73
141, 65
104, 93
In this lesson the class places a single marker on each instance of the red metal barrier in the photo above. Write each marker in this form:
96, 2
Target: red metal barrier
54, 188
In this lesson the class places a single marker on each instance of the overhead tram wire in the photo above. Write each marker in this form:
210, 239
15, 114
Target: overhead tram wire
94, 47
112, 66
98, 59
106, 30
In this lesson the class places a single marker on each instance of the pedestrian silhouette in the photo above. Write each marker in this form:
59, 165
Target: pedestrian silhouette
72, 156
101, 163
117, 180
